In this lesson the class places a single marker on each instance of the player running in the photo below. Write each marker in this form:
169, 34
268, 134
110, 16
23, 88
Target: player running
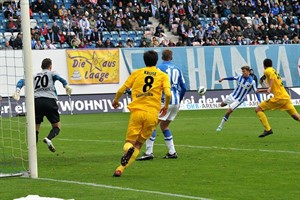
280, 101
245, 83
147, 85
45, 97
178, 89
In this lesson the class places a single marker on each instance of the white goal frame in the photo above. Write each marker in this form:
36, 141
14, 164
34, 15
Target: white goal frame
29, 92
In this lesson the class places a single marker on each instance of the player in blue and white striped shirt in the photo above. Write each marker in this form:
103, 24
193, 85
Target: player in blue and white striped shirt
178, 89
245, 83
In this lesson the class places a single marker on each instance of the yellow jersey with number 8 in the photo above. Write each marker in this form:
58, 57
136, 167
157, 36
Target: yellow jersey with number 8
147, 85
277, 88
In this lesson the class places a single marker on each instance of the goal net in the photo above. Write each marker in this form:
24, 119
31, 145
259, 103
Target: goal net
13, 131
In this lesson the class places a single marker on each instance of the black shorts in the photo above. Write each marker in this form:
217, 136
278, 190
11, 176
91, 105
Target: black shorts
46, 107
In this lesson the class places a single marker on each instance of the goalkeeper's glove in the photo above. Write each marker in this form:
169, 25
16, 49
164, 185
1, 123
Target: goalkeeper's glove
16, 95
68, 90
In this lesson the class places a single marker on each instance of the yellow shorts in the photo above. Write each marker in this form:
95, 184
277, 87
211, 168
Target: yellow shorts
278, 104
141, 125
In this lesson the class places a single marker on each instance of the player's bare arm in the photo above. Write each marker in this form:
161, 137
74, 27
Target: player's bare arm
120, 92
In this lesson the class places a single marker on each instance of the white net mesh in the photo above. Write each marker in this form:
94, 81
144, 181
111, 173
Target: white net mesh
13, 138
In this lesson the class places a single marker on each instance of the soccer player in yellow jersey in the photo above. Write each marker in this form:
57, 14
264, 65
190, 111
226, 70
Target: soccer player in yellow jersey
280, 101
147, 85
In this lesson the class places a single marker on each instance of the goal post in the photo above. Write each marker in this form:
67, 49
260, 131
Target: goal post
18, 152
29, 92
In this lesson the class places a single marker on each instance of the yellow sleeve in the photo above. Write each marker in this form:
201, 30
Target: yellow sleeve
167, 90
127, 85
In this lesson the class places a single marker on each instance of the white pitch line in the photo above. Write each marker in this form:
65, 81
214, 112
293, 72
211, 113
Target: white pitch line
126, 189
191, 146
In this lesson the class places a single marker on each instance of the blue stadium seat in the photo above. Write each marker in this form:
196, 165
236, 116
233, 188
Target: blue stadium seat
105, 35
114, 42
123, 35
296, 21
67, 4
41, 22
4, 21
36, 16
45, 16
2, 29
59, 3
137, 43
57, 46
50, 22
2, 41
114, 35
223, 19
131, 34
1, 16
58, 22
208, 20
140, 34
65, 46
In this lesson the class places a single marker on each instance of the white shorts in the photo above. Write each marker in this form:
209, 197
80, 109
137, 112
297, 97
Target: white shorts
171, 113
232, 102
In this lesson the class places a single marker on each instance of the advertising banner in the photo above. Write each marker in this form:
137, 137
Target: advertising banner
102, 103
93, 66
206, 65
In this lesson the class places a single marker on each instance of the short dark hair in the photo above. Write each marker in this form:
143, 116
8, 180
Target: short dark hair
268, 62
46, 63
246, 67
150, 58
167, 55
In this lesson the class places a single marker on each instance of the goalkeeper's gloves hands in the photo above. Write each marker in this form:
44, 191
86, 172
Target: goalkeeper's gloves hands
16, 95
68, 90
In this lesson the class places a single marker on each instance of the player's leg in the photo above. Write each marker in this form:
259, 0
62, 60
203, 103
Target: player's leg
53, 117
233, 104
225, 119
264, 106
39, 115
264, 120
140, 128
148, 155
164, 125
292, 111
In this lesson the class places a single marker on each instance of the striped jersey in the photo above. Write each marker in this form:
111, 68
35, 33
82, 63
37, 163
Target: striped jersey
244, 86
177, 82
44, 84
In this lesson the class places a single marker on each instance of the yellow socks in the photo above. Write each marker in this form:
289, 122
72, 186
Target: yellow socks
133, 157
264, 120
126, 146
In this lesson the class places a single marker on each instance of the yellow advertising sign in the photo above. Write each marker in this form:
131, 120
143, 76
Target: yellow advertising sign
93, 66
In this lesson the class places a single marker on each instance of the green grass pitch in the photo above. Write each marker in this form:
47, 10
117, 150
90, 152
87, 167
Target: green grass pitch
233, 164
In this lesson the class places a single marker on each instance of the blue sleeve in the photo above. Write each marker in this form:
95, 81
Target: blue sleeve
182, 87
60, 79
255, 89
231, 78
258, 96
20, 83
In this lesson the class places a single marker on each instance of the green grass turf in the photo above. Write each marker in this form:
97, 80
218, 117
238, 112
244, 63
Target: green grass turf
233, 164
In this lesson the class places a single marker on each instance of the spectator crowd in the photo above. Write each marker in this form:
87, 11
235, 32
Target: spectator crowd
86, 23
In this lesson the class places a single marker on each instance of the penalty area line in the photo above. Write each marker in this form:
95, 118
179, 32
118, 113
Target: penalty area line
192, 146
123, 188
